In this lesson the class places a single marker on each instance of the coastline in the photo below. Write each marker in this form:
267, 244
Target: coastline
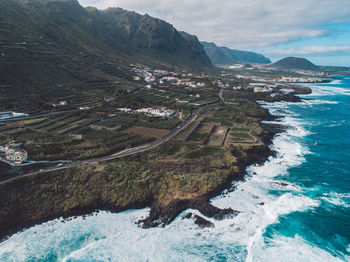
160, 215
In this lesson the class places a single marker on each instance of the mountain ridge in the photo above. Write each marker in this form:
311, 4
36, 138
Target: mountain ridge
70, 36
227, 56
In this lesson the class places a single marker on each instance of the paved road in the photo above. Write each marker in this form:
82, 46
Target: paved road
126, 152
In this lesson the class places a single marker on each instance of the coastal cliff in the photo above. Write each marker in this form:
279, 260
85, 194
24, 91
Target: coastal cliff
168, 179
184, 172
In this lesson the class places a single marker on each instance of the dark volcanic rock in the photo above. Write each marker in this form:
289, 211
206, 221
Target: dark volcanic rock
198, 220
188, 216
282, 112
161, 216
201, 222
211, 211
281, 183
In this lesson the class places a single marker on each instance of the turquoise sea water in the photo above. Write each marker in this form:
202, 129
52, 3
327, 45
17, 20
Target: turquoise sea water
294, 207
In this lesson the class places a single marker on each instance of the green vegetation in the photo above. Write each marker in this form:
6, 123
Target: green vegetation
203, 152
198, 137
294, 63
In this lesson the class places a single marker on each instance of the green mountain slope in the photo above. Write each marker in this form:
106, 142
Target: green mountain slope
46, 43
290, 63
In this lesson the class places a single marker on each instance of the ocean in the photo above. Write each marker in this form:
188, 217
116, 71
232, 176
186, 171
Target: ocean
294, 207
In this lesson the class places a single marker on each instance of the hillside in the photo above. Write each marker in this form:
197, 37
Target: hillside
227, 56
45, 44
145, 36
290, 63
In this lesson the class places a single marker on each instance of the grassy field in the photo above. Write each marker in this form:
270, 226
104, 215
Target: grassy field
203, 152
146, 131
218, 135
198, 137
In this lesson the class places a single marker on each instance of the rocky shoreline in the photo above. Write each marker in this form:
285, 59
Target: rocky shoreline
15, 218
160, 216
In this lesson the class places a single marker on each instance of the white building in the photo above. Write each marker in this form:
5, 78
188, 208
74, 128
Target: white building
16, 156
125, 110
259, 89
84, 108
149, 79
157, 112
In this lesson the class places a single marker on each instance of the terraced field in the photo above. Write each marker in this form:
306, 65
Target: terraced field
217, 136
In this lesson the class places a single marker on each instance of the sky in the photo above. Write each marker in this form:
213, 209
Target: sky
318, 30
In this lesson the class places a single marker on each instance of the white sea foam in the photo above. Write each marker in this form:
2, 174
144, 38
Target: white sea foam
319, 102
335, 82
293, 249
259, 209
326, 90
337, 199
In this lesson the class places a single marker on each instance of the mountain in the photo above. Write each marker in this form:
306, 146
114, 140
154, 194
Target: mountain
143, 35
45, 42
227, 56
290, 63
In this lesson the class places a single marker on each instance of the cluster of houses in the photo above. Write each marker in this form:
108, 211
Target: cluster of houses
151, 111
162, 77
258, 85
220, 84
302, 80
262, 87
255, 87
12, 153
312, 77
109, 99
312, 73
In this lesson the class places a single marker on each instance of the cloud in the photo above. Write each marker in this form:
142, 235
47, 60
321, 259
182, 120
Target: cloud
242, 23
313, 51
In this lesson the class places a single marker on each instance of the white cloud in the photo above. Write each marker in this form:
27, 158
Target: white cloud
242, 23
312, 50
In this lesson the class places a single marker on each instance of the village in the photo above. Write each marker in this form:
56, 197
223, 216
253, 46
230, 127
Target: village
154, 111
115, 117
163, 77
159, 79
